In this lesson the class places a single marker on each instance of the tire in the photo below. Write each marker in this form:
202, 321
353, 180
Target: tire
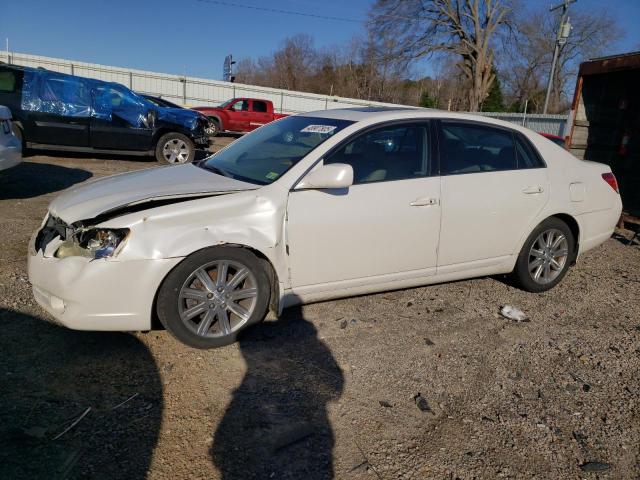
541, 266
213, 128
174, 148
199, 310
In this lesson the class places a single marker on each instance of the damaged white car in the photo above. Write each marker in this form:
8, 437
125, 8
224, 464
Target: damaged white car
318, 206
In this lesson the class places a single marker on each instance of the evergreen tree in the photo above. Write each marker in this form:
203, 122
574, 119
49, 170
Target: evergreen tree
426, 100
494, 101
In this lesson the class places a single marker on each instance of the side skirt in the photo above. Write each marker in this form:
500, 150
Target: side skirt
364, 286
70, 148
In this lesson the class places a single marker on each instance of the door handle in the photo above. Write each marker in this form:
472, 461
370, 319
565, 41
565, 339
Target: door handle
533, 189
424, 202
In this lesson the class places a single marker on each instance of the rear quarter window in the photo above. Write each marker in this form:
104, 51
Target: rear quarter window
528, 156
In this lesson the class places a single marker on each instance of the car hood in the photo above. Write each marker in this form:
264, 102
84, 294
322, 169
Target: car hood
162, 184
180, 116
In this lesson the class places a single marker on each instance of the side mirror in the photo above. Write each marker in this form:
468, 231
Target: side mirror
333, 175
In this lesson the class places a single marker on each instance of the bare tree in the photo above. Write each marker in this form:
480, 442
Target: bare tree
356, 70
295, 61
465, 28
528, 57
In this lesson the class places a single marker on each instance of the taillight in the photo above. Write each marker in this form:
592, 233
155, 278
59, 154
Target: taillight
610, 178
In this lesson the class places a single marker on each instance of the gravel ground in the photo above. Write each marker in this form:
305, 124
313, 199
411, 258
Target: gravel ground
423, 383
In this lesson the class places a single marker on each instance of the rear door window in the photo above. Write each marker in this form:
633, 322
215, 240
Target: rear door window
472, 148
66, 96
259, 106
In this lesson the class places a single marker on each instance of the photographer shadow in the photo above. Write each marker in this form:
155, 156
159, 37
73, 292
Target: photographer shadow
75, 404
277, 425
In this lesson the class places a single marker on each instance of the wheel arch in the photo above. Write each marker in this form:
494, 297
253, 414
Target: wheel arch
274, 294
163, 130
568, 219
216, 118
574, 226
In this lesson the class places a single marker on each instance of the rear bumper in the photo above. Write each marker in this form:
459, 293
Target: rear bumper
597, 227
84, 294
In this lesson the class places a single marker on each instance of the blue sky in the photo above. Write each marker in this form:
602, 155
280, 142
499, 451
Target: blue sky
193, 36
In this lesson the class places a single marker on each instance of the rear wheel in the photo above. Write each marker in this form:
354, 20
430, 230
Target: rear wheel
173, 148
213, 295
545, 257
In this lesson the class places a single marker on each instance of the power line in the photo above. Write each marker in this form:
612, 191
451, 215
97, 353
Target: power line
286, 12
303, 14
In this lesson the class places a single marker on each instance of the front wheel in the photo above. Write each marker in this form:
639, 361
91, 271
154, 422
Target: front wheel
213, 128
545, 257
212, 295
173, 148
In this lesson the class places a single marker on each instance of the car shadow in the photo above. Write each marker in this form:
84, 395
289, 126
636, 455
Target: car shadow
276, 425
28, 180
51, 378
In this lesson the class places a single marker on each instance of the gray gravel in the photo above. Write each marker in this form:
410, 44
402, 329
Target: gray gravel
424, 383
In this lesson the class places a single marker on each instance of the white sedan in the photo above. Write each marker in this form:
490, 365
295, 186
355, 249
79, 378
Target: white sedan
10, 145
318, 206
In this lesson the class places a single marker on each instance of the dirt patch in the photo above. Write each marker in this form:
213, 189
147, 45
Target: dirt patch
423, 383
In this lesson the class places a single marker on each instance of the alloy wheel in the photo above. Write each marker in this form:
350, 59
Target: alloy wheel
175, 151
548, 256
218, 298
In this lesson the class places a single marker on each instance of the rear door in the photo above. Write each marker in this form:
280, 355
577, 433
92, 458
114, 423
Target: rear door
238, 113
494, 185
259, 114
120, 119
60, 115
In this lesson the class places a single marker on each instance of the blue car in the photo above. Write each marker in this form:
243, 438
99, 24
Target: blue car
56, 111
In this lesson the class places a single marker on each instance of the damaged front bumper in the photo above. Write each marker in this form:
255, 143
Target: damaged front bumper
104, 294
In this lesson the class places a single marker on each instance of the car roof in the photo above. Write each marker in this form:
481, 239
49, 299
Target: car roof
383, 113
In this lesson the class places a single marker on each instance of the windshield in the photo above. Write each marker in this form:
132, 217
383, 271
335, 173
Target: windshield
224, 104
161, 102
263, 156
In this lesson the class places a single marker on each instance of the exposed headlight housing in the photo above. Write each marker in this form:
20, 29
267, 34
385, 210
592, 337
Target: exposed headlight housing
93, 243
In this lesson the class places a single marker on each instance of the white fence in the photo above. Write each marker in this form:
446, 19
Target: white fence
201, 91
547, 123
187, 90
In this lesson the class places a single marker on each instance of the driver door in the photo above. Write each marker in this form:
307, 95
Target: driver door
119, 120
383, 228
239, 116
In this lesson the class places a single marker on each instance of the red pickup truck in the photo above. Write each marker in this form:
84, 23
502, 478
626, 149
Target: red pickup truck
239, 115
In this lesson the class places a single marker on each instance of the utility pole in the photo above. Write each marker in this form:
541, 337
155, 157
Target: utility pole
561, 38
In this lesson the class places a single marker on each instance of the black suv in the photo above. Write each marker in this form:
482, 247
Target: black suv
57, 111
